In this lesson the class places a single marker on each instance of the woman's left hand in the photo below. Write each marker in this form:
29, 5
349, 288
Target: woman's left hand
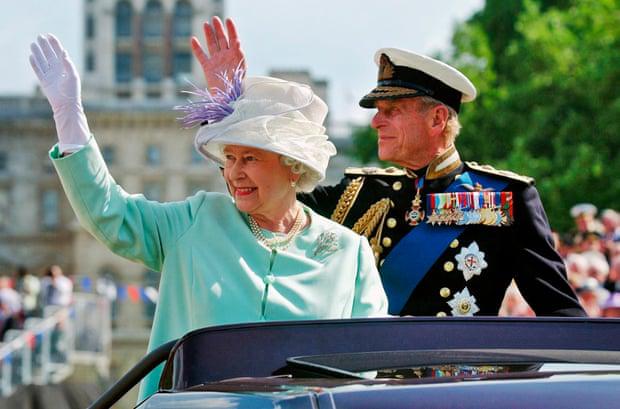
224, 55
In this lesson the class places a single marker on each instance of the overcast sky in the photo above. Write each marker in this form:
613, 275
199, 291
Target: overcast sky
333, 39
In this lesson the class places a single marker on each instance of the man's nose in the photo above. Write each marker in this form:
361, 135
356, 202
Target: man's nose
377, 120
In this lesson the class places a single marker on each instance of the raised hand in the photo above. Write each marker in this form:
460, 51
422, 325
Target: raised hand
59, 79
224, 51
60, 82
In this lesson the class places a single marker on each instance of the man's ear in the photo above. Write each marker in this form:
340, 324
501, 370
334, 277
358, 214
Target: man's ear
440, 116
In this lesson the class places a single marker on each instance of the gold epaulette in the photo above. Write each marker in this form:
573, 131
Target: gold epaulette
504, 173
372, 171
347, 199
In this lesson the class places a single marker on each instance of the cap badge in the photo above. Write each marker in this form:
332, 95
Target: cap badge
471, 261
386, 68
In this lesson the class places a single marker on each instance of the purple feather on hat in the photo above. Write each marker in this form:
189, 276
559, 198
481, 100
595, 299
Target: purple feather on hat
212, 107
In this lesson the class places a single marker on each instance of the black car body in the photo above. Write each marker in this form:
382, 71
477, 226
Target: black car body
396, 363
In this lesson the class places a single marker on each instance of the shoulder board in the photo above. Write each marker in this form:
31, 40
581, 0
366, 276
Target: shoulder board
372, 171
488, 169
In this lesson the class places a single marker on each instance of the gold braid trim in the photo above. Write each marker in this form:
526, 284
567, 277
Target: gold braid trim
366, 224
345, 203
369, 221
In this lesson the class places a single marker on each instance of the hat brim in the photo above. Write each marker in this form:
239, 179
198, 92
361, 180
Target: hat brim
382, 92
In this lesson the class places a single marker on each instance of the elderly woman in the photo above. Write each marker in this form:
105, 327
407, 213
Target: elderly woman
258, 255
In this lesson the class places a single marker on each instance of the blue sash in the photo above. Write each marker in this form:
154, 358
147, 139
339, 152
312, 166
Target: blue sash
415, 254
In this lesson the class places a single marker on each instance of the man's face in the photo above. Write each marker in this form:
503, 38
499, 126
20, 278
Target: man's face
403, 132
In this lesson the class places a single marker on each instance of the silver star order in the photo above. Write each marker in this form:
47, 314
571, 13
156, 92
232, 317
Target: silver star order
463, 304
471, 261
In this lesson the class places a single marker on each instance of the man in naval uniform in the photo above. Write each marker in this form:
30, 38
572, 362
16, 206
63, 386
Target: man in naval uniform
449, 236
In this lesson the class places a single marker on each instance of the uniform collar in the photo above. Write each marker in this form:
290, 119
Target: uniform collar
440, 166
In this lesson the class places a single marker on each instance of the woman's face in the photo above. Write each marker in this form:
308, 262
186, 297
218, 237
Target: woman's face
258, 181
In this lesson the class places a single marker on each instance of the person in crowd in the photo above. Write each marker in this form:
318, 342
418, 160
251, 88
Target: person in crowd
611, 306
612, 282
11, 309
514, 305
28, 286
577, 267
449, 236
256, 254
56, 288
588, 230
592, 295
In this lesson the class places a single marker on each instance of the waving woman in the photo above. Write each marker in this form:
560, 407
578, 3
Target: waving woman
256, 254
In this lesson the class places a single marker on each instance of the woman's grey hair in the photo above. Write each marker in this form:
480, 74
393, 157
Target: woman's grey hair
453, 126
308, 178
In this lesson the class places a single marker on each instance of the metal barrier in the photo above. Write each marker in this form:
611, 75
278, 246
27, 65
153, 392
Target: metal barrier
47, 348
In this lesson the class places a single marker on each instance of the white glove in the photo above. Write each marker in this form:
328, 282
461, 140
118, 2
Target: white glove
60, 83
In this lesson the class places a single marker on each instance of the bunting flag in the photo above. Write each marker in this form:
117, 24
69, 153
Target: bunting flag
31, 340
121, 292
133, 292
86, 284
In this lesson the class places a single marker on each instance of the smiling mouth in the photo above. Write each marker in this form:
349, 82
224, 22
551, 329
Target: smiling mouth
244, 191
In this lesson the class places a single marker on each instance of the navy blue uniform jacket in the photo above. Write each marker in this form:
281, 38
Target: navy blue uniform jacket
374, 202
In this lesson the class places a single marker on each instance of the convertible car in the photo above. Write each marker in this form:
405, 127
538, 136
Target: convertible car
388, 363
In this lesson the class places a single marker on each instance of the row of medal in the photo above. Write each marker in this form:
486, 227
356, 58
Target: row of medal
463, 208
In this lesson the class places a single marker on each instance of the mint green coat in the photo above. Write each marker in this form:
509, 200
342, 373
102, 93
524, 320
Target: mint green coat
213, 269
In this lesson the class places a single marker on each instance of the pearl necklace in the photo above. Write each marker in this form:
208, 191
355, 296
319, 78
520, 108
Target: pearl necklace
277, 243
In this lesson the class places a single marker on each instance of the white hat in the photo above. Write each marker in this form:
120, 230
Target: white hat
583, 209
277, 116
405, 74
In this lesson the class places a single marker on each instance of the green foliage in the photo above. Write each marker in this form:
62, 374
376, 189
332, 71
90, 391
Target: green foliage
548, 103
364, 147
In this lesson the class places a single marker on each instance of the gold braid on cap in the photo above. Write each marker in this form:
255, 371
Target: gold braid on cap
374, 216
347, 199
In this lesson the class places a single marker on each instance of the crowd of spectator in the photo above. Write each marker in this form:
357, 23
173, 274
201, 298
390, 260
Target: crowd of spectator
591, 252
24, 295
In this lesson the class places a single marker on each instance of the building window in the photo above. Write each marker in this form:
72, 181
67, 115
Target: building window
123, 67
90, 61
153, 191
181, 63
4, 161
123, 94
109, 154
4, 209
49, 205
90, 27
182, 19
124, 15
153, 67
153, 155
153, 94
153, 19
